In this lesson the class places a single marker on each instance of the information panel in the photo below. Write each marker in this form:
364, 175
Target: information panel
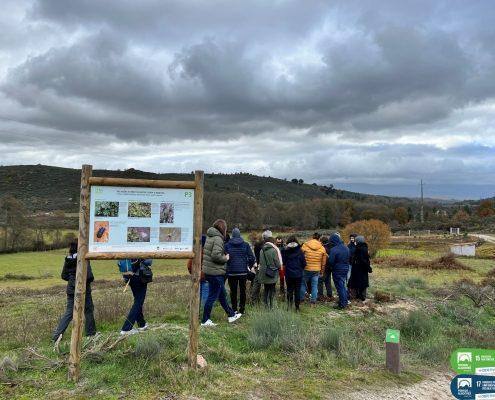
139, 219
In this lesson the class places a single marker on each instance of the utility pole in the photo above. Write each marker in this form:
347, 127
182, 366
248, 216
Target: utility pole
422, 212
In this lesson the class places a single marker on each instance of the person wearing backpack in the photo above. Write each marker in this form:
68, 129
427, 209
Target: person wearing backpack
69, 275
270, 263
214, 267
241, 259
137, 274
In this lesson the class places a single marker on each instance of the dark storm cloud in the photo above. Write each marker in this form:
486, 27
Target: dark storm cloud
337, 74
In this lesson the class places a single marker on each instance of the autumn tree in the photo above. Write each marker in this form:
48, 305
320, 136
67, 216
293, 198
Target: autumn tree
401, 215
376, 233
486, 208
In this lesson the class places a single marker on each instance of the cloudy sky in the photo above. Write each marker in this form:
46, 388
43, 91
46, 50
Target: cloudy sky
376, 92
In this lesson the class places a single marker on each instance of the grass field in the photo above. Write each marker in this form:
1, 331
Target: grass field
320, 353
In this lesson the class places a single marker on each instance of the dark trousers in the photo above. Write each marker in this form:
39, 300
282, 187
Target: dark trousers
255, 289
361, 293
236, 282
136, 312
325, 279
89, 316
281, 274
293, 291
216, 292
340, 281
268, 294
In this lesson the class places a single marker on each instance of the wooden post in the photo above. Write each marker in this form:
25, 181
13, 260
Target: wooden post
392, 351
81, 276
192, 351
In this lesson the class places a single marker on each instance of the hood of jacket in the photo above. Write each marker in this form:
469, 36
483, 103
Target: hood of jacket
335, 240
236, 241
314, 244
212, 231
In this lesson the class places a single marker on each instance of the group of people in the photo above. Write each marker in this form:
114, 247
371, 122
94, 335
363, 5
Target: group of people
303, 271
136, 274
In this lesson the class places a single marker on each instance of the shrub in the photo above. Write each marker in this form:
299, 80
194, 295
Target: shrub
331, 339
276, 328
376, 233
416, 325
148, 347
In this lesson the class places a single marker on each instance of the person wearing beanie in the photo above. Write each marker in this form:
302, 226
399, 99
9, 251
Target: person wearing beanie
241, 258
338, 260
215, 269
361, 267
352, 247
270, 263
316, 259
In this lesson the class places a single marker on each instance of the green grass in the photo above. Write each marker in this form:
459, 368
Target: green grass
315, 354
48, 265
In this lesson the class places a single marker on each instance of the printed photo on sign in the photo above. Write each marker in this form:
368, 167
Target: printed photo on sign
139, 210
168, 235
138, 234
166, 213
101, 231
106, 209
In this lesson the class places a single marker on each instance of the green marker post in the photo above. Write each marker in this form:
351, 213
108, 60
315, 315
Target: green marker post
392, 350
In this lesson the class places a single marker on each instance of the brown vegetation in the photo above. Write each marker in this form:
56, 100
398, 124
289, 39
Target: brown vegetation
444, 262
376, 233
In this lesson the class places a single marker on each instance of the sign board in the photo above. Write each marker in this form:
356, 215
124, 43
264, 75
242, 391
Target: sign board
392, 336
140, 219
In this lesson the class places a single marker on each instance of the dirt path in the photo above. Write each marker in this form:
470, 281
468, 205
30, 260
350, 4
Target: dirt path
488, 238
436, 387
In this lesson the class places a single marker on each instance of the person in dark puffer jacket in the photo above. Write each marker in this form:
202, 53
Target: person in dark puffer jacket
69, 275
241, 258
338, 260
294, 263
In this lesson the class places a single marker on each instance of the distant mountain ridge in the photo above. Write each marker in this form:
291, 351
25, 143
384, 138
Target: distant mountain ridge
47, 188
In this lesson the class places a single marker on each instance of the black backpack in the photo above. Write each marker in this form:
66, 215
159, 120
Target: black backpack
145, 273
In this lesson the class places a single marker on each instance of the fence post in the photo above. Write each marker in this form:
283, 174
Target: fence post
81, 276
192, 351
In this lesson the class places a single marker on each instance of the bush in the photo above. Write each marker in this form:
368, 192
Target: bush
148, 347
416, 325
376, 233
276, 328
331, 339
346, 345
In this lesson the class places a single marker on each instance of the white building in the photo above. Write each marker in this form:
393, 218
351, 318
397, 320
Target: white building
463, 249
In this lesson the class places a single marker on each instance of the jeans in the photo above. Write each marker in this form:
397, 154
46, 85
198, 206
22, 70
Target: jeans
340, 281
325, 279
216, 292
203, 293
136, 312
235, 282
89, 317
268, 294
293, 291
313, 277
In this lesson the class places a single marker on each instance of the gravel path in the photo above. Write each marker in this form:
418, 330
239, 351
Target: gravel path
436, 387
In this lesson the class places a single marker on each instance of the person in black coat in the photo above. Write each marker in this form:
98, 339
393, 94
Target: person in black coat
69, 275
241, 258
359, 281
294, 263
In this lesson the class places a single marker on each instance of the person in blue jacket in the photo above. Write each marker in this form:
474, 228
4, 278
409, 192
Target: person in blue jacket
294, 263
139, 288
338, 260
241, 258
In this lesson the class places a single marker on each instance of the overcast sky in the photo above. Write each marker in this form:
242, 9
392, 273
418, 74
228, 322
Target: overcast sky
330, 91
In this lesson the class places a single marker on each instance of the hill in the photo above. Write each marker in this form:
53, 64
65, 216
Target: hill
47, 188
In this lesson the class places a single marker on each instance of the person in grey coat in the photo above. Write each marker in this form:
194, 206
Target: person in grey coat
69, 275
215, 270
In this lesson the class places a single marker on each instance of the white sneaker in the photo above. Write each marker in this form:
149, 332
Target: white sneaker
143, 328
208, 323
131, 332
234, 318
